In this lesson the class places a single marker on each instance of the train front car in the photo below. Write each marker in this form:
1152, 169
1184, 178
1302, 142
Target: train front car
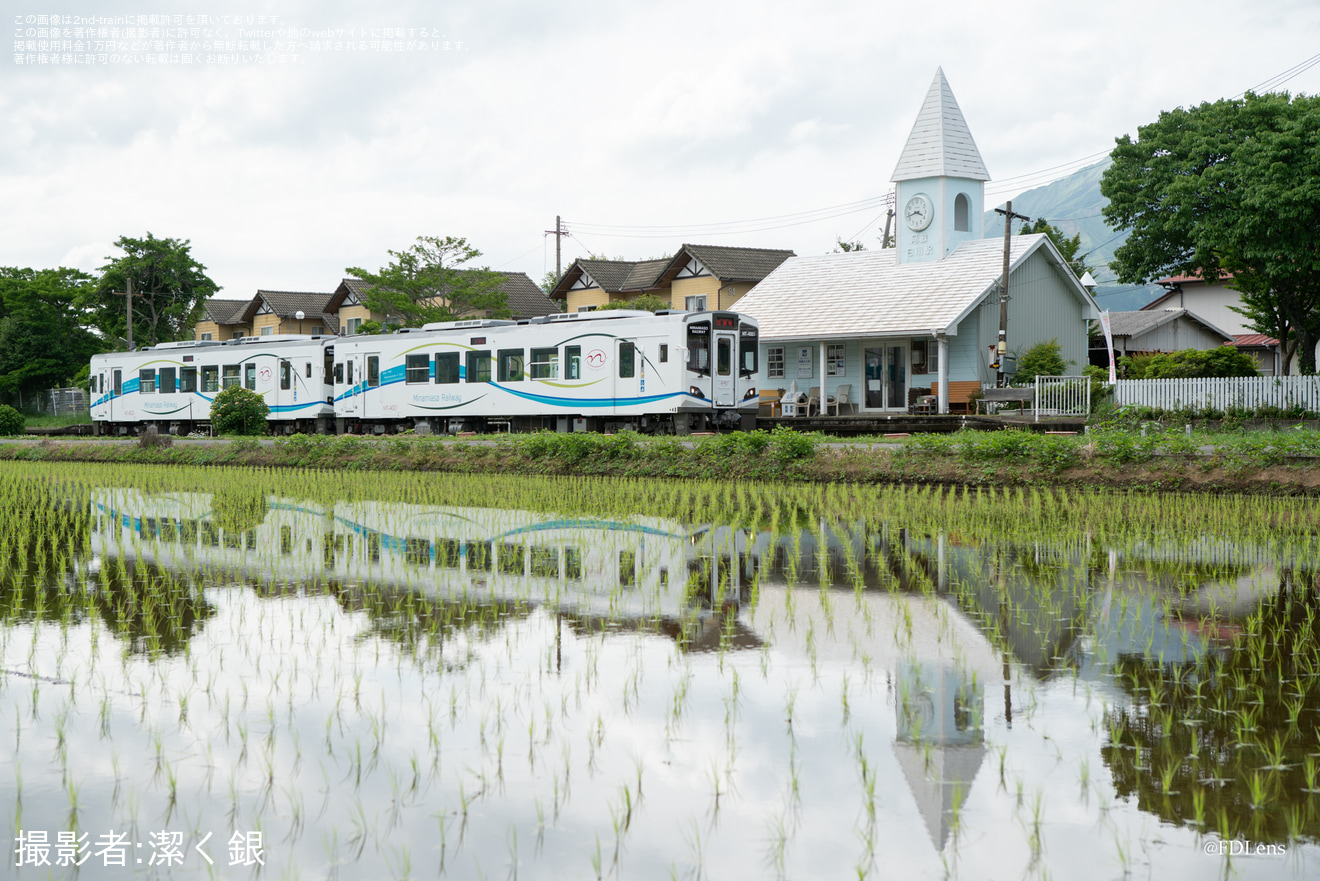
721, 370
172, 385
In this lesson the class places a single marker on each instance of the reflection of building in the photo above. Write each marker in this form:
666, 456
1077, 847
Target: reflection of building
939, 744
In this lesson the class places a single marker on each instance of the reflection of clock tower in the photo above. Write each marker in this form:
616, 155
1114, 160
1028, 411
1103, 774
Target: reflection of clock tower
941, 181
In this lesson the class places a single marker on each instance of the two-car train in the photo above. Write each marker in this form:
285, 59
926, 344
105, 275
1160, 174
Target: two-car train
671, 372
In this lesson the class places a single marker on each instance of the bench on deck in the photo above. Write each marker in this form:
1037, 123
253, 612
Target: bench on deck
769, 402
1020, 396
960, 394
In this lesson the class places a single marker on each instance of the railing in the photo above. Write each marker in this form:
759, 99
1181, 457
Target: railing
1063, 396
1220, 393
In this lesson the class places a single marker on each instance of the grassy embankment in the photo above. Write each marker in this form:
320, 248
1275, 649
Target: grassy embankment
1279, 462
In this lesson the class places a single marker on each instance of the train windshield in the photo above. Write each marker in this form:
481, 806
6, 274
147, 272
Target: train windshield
698, 346
747, 351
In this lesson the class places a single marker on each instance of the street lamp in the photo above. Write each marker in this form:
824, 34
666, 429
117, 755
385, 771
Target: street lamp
300, 316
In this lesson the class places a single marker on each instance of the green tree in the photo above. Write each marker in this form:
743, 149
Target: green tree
170, 290
42, 341
548, 282
427, 283
1068, 247
237, 410
842, 247
1043, 359
1228, 186
1185, 363
647, 302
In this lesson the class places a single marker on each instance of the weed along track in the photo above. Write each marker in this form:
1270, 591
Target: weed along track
347, 674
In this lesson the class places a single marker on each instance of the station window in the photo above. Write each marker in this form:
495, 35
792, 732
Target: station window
188, 379
147, 381
627, 359
446, 368
572, 362
835, 360
511, 365
774, 362
165, 380
478, 367
417, 369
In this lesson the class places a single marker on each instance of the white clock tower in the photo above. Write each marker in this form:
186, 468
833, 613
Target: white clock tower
941, 181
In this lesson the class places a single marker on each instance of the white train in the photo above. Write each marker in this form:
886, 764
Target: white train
668, 372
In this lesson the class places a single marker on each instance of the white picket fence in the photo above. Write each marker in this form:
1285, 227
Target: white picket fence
1063, 396
1220, 393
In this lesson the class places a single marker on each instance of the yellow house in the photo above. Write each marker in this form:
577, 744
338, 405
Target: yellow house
696, 279
224, 320
525, 299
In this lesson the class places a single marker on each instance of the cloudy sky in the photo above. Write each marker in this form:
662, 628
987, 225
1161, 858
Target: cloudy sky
645, 125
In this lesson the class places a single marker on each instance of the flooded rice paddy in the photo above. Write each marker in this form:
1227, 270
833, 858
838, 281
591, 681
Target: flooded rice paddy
374, 676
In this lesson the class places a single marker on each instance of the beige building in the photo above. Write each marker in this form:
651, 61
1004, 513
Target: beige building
696, 279
224, 320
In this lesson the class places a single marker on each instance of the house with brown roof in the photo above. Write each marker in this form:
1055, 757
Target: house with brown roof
1215, 302
697, 278
224, 320
1145, 333
525, 300
298, 312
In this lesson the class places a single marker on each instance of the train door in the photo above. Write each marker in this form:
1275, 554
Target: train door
371, 397
352, 401
724, 392
626, 375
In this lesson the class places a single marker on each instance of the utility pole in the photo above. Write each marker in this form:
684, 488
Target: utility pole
129, 295
889, 219
558, 232
1002, 348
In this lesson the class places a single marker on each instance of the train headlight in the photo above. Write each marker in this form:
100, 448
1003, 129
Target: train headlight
695, 392
751, 393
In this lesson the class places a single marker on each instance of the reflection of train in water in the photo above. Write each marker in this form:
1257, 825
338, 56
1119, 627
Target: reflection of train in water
638, 568
671, 372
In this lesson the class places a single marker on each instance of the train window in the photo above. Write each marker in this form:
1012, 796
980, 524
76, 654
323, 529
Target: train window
250, 376
417, 551
572, 362
211, 378
478, 367
417, 368
329, 366
627, 568
339, 373
231, 378
627, 359
724, 356
348, 371
146, 381
747, 354
448, 553
309, 369
188, 379
545, 561
478, 555
572, 563
512, 557
545, 364
165, 380
373, 370
286, 375
511, 365
446, 368
119, 382
698, 346
664, 353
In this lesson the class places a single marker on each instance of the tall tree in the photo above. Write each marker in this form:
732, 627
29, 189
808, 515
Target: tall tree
170, 290
427, 282
1229, 186
1068, 247
42, 341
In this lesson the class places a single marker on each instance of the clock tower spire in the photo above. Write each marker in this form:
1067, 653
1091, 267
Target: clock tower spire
941, 180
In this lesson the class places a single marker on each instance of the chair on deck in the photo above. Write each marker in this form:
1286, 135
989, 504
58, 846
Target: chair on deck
841, 398
813, 402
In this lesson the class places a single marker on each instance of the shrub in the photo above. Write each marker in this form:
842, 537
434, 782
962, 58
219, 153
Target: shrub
1221, 361
11, 421
237, 410
1042, 359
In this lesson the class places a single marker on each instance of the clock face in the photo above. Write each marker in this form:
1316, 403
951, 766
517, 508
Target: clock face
918, 212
